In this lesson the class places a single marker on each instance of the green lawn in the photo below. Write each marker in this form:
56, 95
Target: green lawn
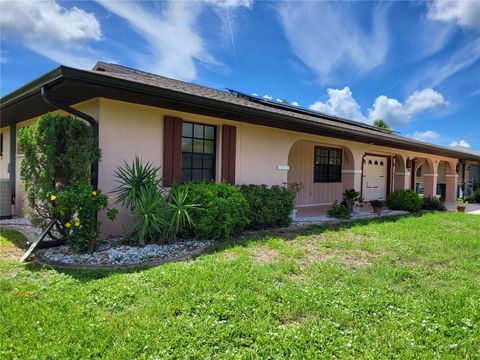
404, 288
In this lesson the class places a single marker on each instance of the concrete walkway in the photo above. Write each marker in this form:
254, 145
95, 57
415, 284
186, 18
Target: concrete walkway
470, 209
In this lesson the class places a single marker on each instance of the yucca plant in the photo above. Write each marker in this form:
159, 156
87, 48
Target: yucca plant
149, 222
178, 212
134, 177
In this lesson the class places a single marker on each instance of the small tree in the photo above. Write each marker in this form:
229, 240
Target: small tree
381, 124
59, 151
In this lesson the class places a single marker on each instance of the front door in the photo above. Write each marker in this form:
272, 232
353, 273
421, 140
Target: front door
374, 178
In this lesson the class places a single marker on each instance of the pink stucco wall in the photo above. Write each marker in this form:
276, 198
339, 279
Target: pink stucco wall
263, 154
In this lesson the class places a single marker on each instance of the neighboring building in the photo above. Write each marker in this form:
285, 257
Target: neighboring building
198, 133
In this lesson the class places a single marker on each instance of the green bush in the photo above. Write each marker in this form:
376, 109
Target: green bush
58, 153
407, 200
433, 203
223, 210
475, 197
78, 206
268, 206
339, 211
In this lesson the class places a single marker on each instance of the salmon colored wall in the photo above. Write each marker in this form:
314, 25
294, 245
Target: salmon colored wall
301, 161
129, 129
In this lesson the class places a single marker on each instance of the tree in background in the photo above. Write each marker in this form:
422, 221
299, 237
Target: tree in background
381, 124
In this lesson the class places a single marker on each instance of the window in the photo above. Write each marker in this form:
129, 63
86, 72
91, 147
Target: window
198, 152
328, 165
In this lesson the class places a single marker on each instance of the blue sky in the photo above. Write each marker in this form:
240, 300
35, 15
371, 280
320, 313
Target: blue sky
414, 64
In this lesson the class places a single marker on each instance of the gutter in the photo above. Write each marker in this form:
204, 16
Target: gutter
225, 109
92, 122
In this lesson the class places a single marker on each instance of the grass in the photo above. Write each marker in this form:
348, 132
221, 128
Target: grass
11, 242
399, 288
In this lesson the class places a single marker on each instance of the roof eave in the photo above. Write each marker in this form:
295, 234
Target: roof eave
63, 72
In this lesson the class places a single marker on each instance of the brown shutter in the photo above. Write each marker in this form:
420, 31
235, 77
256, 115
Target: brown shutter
172, 150
229, 145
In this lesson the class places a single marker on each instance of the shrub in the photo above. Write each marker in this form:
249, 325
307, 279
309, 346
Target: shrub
132, 178
350, 199
268, 206
475, 197
59, 151
339, 211
407, 200
78, 206
223, 210
158, 215
433, 203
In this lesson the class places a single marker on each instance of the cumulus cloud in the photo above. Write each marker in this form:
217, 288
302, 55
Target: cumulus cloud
58, 33
428, 135
268, 97
340, 103
397, 114
172, 34
329, 37
295, 103
461, 143
463, 13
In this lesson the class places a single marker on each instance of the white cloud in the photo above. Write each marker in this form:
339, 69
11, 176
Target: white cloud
424, 100
51, 30
463, 13
254, 94
172, 34
459, 60
424, 135
461, 143
329, 37
295, 103
268, 97
342, 103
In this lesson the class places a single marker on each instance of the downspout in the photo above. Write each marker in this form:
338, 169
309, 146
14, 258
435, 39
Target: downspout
93, 124
12, 166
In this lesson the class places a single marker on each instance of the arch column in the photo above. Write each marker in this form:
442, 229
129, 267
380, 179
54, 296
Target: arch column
430, 178
451, 183
401, 175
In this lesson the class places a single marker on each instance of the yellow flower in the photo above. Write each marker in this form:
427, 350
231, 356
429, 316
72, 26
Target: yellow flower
77, 223
68, 225
94, 193
53, 198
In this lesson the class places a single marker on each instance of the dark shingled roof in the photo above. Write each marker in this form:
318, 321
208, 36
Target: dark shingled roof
71, 86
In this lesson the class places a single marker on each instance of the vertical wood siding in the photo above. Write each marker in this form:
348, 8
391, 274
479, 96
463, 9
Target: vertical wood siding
301, 165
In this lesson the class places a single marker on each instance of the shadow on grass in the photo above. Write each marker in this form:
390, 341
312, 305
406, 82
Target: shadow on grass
245, 240
13, 236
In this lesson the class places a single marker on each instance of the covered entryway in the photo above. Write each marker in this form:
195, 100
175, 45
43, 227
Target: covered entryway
375, 177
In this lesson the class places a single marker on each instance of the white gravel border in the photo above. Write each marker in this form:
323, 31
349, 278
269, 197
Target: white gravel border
113, 252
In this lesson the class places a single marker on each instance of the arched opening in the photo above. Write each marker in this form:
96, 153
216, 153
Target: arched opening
323, 170
447, 181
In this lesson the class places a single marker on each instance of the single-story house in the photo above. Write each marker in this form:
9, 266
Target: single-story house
198, 133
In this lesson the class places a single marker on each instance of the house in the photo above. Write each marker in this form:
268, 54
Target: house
198, 133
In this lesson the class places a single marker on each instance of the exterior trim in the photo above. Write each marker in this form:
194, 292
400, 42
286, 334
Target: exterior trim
352, 171
229, 146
